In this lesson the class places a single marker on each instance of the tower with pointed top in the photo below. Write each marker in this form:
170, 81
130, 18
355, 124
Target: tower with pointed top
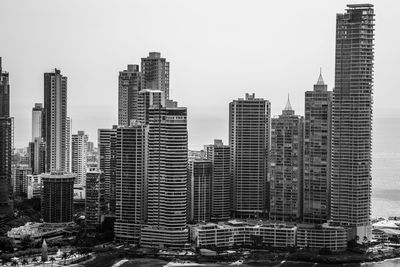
286, 161
249, 122
352, 120
317, 139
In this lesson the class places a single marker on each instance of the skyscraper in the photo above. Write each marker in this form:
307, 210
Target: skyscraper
94, 201
147, 99
317, 153
79, 153
221, 184
57, 197
167, 160
286, 165
130, 181
37, 121
249, 122
55, 120
199, 190
106, 143
128, 89
6, 145
155, 73
352, 120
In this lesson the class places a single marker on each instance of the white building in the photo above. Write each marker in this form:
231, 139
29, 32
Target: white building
79, 156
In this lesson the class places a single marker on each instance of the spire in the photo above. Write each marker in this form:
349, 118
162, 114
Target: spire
320, 79
288, 105
288, 108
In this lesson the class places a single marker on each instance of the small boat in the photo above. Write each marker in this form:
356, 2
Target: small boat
178, 263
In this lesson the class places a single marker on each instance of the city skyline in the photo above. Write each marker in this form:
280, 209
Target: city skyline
87, 82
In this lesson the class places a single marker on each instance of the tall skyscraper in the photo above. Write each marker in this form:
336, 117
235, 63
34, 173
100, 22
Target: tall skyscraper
221, 182
94, 201
167, 160
128, 89
199, 190
37, 121
155, 73
317, 153
57, 197
249, 123
6, 145
79, 153
68, 144
148, 98
130, 181
106, 143
286, 165
55, 121
352, 120
37, 147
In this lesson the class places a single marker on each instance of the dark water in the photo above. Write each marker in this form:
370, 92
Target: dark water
160, 263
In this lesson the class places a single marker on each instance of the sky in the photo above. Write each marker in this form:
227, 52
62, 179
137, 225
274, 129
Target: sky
218, 51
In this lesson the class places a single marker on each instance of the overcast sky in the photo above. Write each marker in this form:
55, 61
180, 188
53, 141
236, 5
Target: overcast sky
218, 51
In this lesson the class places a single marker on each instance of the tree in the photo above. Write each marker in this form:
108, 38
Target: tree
6, 244
14, 263
34, 260
64, 256
26, 242
52, 259
24, 262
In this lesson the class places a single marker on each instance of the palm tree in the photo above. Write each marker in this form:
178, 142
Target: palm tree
24, 262
34, 260
64, 256
14, 263
52, 259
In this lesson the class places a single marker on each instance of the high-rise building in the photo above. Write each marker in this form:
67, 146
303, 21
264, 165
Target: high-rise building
317, 153
68, 144
37, 121
199, 190
286, 165
21, 180
106, 143
55, 121
57, 197
221, 182
6, 145
148, 98
155, 73
352, 120
37, 153
79, 153
37, 147
94, 201
166, 175
128, 90
249, 123
130, 181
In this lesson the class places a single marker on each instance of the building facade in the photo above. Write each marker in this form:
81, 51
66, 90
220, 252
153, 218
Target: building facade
167, 162
155, 73
249, 124
148, 98
106, 143
57, 197
79, 154
221, 183
286, 165
6, 145
94, 201
316, 237
55, 121
128, 90
317, 153
130, 182
21, 180
352, 120
199, 190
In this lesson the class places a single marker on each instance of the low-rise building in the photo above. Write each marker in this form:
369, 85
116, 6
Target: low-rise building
240, 233
316, 237
37, 231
